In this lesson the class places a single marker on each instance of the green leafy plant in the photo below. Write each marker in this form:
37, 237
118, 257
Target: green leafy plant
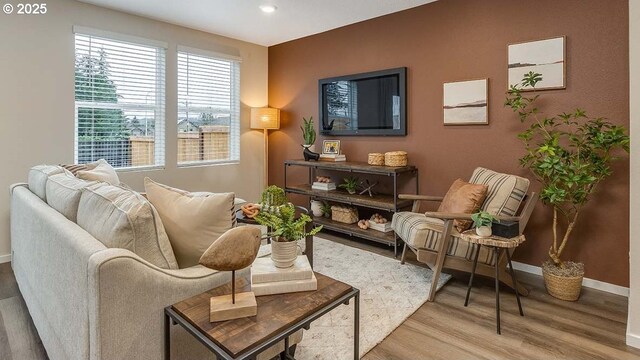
482, 218
569, 153
308, 131
283, 224
350, 184
326, 209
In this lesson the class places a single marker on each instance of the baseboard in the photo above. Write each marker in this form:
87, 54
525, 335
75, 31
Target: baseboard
586, 282
5, 258
633, 339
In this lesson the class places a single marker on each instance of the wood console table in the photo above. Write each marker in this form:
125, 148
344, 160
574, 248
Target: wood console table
384, 202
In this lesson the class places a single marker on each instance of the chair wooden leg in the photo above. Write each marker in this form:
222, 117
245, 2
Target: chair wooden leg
404, 254
442, 254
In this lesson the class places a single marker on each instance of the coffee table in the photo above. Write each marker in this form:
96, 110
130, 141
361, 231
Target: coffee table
279, 316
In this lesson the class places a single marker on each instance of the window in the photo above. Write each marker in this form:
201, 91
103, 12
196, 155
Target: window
119, 99
208, 107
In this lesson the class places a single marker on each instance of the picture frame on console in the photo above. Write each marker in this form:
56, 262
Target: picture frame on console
331, 147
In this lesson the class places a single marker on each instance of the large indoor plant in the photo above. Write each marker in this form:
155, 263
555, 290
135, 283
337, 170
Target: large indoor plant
285, 229
570, 154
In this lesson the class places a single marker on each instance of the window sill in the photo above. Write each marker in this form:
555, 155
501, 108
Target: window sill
140, 168
208, 163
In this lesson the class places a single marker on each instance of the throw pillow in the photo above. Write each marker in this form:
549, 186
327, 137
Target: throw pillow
38, 177
100, 171
463, 198
121, 218
63, 193
193, 221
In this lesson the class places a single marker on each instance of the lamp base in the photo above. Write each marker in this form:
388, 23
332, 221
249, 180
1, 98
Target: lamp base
222, 308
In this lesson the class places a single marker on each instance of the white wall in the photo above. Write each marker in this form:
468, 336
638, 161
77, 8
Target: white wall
633, 323
37, 99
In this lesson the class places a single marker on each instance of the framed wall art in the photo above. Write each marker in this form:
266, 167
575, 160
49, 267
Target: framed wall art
546, 57
466, 102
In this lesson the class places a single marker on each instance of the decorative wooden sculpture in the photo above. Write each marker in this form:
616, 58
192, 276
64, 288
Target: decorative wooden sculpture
234, 250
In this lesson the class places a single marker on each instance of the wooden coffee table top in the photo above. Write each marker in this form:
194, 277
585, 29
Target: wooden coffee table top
493, 240
275, 313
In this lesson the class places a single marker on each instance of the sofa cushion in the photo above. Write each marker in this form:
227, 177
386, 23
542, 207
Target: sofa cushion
38, 176
193, 221
463, 198
99, 171
121, 218
505, 191
63, 193
421, 232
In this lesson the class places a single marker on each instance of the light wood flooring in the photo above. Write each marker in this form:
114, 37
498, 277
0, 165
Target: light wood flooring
592, 328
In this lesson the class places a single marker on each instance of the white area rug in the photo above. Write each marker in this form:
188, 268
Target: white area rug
389, 294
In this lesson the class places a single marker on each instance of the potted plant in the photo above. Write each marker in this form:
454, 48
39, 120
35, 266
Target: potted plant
482, 221
570, 154
285, 229
326, 209
350, 184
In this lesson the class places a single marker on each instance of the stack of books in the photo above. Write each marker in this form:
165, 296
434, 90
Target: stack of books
323, 186
267, 279
333, 157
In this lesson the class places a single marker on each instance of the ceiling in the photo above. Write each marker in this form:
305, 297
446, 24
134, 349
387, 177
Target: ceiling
243, 19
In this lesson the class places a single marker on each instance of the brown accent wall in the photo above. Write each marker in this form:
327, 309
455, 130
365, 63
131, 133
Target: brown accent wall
465, 39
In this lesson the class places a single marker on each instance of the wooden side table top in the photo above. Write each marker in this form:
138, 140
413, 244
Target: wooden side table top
495, 241
275, 313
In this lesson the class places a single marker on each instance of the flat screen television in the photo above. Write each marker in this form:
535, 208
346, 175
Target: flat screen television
370, 104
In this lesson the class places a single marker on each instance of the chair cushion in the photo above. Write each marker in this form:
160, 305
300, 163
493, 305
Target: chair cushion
421, 232
463, 198
38, 176
63, 193
99, 171
121, 218
505, 191
193, 221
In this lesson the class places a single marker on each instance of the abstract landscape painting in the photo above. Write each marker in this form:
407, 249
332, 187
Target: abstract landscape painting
546, 57
465, 102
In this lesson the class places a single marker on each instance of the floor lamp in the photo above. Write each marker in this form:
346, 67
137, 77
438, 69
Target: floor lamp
265, 119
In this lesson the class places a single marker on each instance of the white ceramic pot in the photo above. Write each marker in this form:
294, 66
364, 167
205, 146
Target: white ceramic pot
484, 231
311, 148
316, 207
284, 253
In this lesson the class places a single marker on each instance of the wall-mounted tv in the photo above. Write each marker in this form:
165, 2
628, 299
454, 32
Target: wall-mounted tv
369, 104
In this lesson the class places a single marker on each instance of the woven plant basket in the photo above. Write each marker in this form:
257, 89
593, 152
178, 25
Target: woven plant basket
395, 158
375, 159
344, 214
562, 287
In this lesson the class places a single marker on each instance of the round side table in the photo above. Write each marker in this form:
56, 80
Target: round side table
498, 244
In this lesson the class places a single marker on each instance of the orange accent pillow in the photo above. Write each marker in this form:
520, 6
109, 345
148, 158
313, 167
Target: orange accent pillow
463, 198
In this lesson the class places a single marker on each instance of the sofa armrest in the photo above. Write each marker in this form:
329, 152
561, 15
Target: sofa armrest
420, 197
127, 297
16, 185
461, 216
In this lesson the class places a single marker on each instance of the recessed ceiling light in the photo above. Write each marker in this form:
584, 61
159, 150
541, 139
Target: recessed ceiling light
268, 8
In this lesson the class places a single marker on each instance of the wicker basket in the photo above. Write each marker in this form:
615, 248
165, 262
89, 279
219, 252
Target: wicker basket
344, 214
562, 287
375, 159
395, 158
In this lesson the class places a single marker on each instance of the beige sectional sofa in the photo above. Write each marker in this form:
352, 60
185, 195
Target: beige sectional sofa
89, 301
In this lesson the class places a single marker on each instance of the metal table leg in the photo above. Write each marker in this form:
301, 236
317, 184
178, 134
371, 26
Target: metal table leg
515, 282
473, 271
167, 337
356, 327
496, 252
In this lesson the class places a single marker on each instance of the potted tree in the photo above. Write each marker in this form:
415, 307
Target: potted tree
309, 138
350, 184
570, 154
285, 229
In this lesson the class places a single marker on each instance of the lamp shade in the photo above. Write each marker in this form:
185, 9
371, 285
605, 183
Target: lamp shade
265, 118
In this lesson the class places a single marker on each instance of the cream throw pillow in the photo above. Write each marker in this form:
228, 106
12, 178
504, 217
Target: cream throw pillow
100, 171
121, 218
63, 193
192, 221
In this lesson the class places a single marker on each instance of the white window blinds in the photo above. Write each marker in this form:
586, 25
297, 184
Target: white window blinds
208, 108
119, 100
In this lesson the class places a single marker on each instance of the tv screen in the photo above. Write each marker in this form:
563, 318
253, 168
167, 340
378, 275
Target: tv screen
371, 104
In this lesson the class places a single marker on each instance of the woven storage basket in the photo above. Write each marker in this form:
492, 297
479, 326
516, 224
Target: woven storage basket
562, 287
344, 214
395, 158
375, 159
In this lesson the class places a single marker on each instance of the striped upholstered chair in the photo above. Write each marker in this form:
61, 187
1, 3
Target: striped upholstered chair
422, 233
